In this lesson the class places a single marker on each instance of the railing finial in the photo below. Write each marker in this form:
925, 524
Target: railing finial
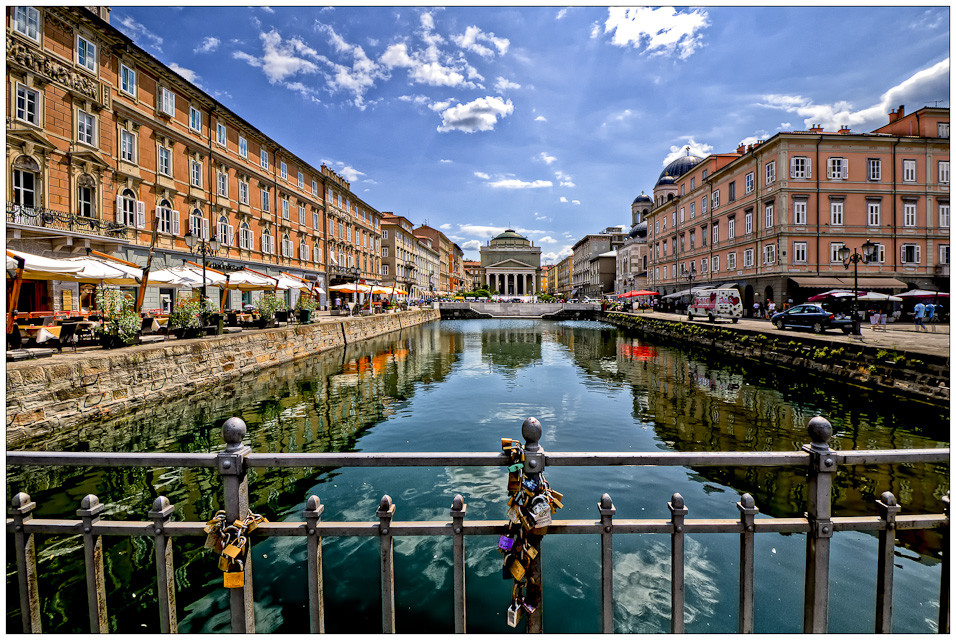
531, 432
458, 503
677, 501
233, 431
384, 506
89, 506
747, 501
820, 430
313, 503
20, 501
888, 499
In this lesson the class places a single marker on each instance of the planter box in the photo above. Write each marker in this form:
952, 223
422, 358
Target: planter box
305, 316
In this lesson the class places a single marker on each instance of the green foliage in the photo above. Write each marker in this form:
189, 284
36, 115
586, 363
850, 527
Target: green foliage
120, 318
268, 305
188, 314
306, 302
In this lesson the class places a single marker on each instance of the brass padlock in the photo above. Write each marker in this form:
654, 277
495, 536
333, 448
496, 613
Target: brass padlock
232, 551
530, 551
224, 563
234, 579
516, 568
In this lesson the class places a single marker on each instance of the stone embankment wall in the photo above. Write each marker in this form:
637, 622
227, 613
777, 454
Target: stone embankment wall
547, 310
59, 392
919, 376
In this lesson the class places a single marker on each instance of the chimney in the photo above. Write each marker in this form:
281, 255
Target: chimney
741, 148
816, 129
844, 130
899, 112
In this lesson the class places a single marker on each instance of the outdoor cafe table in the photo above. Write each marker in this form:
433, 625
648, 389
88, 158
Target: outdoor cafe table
39, 333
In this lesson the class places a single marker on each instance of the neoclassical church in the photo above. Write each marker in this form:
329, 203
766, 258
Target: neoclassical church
511, 265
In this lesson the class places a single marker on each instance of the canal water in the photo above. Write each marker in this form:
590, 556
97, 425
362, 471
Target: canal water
461, 386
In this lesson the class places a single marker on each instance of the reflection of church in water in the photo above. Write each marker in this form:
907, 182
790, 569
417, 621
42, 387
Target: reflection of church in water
511, 265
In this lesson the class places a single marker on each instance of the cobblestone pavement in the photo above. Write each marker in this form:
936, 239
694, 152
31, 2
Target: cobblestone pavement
898, 336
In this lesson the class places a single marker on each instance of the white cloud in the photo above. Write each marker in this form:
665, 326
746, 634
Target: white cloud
281, 59
472, 245
189, 74
445, 227
431, 73
501, 84
538, 216
547, 239
698, 149
482, 175
480, 114
514, 183
540, 119
356, 78
349, 173
268, 9
563, 12
208, 45
566, 201
554, 257
480, 231
545, 158
660, 30
138, 32
564, 179
444, 161
926, 85
470, 39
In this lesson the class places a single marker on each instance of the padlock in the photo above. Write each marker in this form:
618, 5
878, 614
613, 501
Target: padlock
234, 579
514, 482
212, 541
529, 550
232, 550
513, 515
505, 543
515, 468
224, 563
516, 568
507, 443
529, 484
540, 511
514, 614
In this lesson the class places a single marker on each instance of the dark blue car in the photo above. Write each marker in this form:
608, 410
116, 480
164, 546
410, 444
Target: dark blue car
811, 316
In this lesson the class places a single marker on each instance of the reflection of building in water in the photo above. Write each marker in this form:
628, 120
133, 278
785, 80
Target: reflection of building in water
511, 347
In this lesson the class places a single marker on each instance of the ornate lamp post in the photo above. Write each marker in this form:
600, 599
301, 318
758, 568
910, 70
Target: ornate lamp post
868, 255
690, 274
204, 248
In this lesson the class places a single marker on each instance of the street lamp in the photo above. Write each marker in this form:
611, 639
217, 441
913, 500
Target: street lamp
204, 248
689, 274
855, 258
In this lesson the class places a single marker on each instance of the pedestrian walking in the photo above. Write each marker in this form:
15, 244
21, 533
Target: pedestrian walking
918, 311
771, 308
756, 309
930, 313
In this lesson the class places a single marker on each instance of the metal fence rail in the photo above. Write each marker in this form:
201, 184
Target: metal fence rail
819, 525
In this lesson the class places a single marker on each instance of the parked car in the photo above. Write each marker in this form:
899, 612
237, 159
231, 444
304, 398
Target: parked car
811, 316
716, 303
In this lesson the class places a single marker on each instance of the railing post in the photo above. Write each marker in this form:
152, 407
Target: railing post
20, 508
678, 511
232, 468
748, 512
534, 463
313, 515
884, 571
386, 545
458, 508
819, 486
606, 507
89, 511
165, 579
943, 626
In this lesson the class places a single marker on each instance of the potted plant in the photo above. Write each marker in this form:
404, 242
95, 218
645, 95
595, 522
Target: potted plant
305, 305
121, 324
185, 319
267, 307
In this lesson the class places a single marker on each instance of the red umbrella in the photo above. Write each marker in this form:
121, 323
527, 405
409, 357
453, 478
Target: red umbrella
629, 294
645, 292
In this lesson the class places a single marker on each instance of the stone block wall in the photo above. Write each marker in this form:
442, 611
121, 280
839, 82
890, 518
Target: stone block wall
43, 395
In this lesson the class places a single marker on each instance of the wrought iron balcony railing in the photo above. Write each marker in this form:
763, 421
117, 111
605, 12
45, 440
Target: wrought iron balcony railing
61, 221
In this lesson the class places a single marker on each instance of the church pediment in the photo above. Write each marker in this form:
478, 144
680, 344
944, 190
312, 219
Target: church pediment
511, 264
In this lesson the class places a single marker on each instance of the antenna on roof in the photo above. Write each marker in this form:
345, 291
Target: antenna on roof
936, 102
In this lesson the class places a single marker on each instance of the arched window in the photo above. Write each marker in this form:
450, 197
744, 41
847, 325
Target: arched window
126, 208
85, 196
246, 239
286, 246
224, 231
196, 220
26, 182
268, 242
164, 214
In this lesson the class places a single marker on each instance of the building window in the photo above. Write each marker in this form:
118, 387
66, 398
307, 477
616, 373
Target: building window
731, 192
167, 101
224, 231
221, 133
384, 269
286, 246
317, 253
715, 199
665, 272
284, 171
909, 214
682, 190
837, 169
195, 119
771, 172
195, 173
836, 213
222, 184
246, 237
943, 171
285, 208
168, 220
731, 227
265, 201
127, 80
264, 159
243, 192
301, 180
673, 218
315, 188
749, 182
127, 147
800, 212
732, 260
715, 264
748, 222
268, 242
909, 171
315, 220
944, 254
942, 131
909, 253
693, 206
872, 213
28, 102
800, 252
703, 205
693, 238
768, 215
769, 253
165, 165
800, 167
85, 53
384, 252
243, 148
85, 128
196, 224
835, 252
26, 21
682, 215
873, 169
714, 233
944, 215
84, 196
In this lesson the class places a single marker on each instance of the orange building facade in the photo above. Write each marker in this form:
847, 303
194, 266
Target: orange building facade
772, 216
108, 149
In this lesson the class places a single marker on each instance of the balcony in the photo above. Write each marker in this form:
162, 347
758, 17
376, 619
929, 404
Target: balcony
25, 218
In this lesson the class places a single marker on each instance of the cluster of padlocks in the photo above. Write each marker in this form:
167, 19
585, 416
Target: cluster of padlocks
530, 505
230, 542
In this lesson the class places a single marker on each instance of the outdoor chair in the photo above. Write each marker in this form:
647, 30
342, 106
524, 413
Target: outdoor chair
14, 339
67, 335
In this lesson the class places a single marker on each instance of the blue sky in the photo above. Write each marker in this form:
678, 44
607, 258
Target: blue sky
546, 120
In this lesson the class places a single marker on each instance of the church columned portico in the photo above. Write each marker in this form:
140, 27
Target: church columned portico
512, 283
512, 265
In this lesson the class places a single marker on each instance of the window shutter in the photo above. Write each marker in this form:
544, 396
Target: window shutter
902, 253
845, 166
175, 216
809, 170
140, 214
205, 230
119, 209
917, 247
793, 167
252, 239
230, 232
158, 213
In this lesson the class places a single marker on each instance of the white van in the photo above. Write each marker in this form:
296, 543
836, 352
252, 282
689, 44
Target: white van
716, 303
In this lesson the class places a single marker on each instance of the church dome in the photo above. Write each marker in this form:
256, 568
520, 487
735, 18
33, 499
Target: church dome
509, 238
639, 230
678, 167
643, 199
509, 234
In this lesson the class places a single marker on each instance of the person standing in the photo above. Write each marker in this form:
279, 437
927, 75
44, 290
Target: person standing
756, 309
918, 312
771, 308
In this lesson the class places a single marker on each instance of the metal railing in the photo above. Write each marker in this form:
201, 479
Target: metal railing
819, 525
62, 221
